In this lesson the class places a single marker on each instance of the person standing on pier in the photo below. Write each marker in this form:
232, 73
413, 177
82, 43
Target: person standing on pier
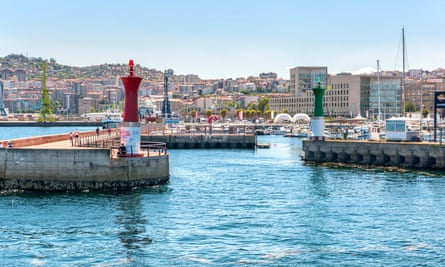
71, 138
76, 136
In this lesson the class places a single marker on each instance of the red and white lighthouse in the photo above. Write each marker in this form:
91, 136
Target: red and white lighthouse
130, 129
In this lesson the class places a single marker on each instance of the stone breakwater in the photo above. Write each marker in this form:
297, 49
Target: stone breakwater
410, 155
39, 169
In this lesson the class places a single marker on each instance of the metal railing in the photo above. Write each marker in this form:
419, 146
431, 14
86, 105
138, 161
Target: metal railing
112, 141
147, 149
93, 140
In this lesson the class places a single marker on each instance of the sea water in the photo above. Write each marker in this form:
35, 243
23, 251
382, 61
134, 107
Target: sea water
234, 207
7, 133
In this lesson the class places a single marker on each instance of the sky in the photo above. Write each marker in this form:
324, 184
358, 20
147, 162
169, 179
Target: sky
228, 38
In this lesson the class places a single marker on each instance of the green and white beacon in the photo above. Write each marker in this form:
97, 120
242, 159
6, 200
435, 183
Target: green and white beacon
318, 118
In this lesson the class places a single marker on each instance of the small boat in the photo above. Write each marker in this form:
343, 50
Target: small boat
262, 132
262, 145
111, 122
298, 134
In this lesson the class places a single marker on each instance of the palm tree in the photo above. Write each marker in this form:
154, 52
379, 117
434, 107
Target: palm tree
193, 114
223, 114
267, 114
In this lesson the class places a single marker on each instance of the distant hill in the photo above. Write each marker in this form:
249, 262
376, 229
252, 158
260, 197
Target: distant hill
33, 68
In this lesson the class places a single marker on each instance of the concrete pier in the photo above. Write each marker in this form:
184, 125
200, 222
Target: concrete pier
410, 155
191, 141
52, 163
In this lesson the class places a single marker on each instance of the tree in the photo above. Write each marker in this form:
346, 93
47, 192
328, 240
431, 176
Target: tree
250, 113
263, 104
425, 112
286, 111
252, 106
193, 113
233, 104
267, 113
224, 113
244, 92
410, 107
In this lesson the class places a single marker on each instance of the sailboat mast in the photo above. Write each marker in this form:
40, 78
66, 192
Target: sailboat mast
378, 87
403, 73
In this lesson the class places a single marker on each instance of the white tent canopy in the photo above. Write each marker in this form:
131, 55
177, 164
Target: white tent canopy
301, 117
282, 118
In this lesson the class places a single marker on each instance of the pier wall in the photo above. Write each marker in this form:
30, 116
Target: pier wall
204, 141
77, 170
410, 155
38, 140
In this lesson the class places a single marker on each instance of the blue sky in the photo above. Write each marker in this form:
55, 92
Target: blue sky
228, 38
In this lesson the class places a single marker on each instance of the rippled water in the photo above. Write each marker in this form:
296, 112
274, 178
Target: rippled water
232, 208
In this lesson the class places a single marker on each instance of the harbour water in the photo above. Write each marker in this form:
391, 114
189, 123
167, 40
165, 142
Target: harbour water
7, 133
227, 207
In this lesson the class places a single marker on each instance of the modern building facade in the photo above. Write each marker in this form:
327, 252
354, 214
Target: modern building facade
346, 95
303, 79
385, 97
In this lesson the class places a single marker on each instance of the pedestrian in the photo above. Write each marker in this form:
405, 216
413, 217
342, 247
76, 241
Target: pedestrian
71, 138
109, 130
97, 131
76, 136
122, 150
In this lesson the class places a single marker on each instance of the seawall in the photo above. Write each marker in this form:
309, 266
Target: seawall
78, 170
187, 141
411, 155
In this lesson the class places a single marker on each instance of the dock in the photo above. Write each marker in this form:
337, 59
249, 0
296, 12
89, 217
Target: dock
198, 141
409, 155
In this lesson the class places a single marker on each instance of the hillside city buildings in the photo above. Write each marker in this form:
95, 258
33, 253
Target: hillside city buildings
75, 91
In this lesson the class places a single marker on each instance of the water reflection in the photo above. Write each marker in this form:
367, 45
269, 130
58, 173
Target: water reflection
316, 214
317, 182
132, 231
